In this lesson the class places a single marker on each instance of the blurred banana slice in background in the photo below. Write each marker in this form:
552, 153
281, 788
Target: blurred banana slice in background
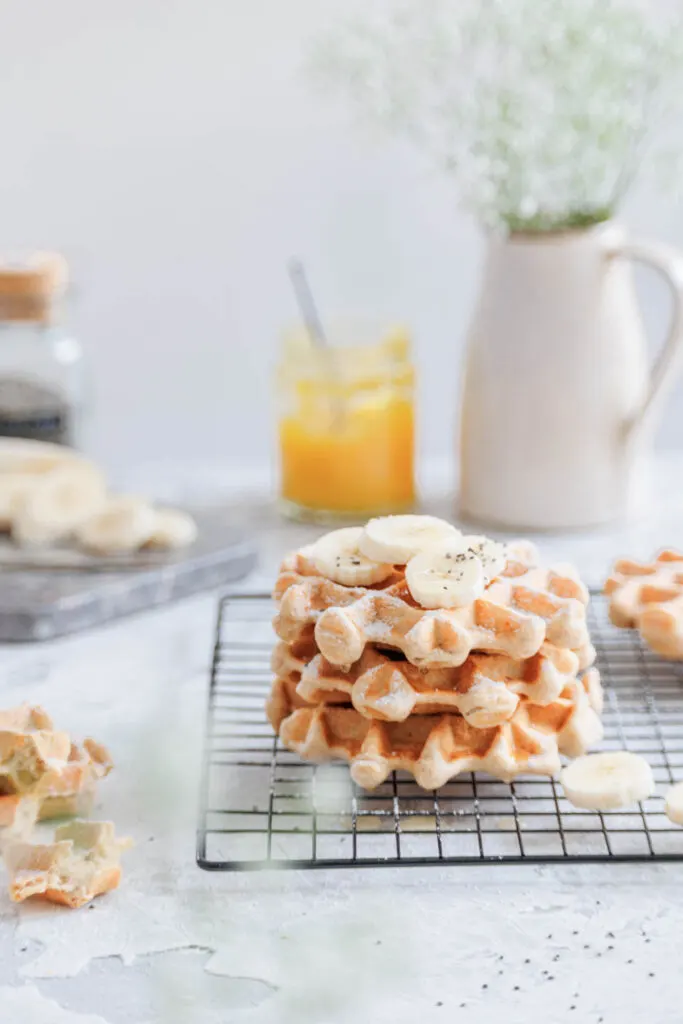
14, 486
124, 524
50, 495
173, 529
55, 504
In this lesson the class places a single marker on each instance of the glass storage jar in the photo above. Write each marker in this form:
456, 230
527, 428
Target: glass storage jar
41, 363
346, 424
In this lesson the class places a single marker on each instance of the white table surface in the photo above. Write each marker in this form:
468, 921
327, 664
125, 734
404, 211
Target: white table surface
569, 943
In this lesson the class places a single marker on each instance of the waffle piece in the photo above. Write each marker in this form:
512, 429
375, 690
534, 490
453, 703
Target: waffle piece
649, 597
282, 700
485, 690
82, 863
39, 762
285, 698
288, 662
70, 786
586, 655
575, 716
291, 659
30, 749
25, 718
435, 749
18, 816
520, 609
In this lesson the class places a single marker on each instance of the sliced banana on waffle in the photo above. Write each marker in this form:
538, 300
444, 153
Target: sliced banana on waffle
608, 781
338, 557
58, 503
673, 804
455, 572
397, 539
490, 553
447, 576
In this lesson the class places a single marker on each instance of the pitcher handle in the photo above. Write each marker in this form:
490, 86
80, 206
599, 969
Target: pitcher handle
669, 263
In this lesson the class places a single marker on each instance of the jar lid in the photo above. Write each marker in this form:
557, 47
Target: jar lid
29, 290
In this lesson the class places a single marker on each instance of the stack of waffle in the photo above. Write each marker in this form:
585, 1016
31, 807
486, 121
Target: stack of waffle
493, 676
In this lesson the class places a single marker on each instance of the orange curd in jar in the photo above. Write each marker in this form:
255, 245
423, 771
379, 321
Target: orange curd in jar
346, 427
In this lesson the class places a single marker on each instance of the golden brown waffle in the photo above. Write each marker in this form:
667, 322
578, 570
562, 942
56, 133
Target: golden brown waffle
435, 749
575, 717
38, 761
520, 609
284, 698
649, 597
82, 863
30, 749
84, 766
18, 816
485, 690
287, 663
586, 656
25, 718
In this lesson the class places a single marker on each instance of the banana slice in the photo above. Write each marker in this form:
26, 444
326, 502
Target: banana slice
123, 525
57, 503
673, 804
397, 539
338, 557
20, 455
22, 462
493, 556
173, 529
603, 782
13, 489
447, 576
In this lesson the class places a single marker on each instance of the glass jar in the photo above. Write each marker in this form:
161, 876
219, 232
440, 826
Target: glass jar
346, 424
41, 365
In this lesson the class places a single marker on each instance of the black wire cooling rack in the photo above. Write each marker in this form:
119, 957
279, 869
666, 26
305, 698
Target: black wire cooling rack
262, 807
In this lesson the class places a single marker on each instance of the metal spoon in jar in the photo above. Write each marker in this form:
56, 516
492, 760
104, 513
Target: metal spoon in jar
315, 329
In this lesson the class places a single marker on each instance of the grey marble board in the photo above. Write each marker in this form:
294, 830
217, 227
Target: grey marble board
65, 592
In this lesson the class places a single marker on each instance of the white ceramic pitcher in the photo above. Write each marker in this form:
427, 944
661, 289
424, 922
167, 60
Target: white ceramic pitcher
558, 397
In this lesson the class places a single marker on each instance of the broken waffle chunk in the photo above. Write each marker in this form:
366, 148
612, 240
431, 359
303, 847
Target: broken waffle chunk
83, 862
18, 816
38, 761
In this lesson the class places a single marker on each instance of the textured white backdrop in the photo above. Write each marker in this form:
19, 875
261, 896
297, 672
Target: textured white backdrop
177, 155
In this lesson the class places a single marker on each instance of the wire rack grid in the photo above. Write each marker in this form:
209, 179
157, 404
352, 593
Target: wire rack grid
262, 807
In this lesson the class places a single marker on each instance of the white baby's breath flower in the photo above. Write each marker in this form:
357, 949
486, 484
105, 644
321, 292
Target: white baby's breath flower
542, 110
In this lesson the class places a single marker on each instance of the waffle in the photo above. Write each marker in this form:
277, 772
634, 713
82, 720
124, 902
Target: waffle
82, 863
18, 816
38, 761
284, 698
288, 662
649, 597
29, 746
69, 787
586, 655
575, 717
520, 610
485, 690
434, 749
